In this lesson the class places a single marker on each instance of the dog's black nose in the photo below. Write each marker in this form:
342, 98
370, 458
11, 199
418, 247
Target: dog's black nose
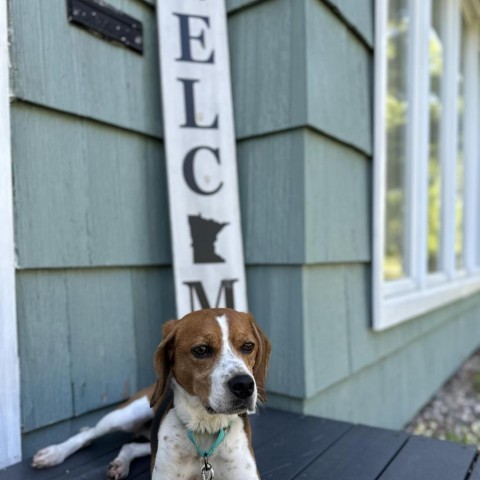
242, 386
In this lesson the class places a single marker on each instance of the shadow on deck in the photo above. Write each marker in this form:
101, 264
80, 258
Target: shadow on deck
290, 446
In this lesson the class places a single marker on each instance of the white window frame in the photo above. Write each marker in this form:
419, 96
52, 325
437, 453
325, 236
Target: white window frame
400, 300
10, 433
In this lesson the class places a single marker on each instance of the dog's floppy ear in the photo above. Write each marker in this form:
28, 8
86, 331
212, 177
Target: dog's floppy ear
163, 360
260, 369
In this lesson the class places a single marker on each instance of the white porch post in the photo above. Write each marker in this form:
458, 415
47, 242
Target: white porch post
10, 437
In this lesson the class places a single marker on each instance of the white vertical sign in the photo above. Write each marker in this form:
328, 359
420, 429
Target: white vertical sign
201, 160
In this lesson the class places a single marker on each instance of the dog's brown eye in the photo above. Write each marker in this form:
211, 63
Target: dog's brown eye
201, 351
248, 347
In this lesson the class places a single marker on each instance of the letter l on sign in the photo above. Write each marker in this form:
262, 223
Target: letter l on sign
200, 149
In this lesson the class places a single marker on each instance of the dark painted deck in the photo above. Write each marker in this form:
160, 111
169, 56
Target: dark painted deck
290, 446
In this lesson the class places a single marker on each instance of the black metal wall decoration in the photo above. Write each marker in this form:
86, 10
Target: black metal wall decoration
102, 19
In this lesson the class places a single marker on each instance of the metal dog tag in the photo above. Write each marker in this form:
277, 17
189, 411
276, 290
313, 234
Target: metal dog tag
207, 472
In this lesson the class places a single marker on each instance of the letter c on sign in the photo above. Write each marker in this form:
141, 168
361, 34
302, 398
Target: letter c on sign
188, 170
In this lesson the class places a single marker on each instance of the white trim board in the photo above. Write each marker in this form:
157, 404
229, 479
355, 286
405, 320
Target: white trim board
10, 434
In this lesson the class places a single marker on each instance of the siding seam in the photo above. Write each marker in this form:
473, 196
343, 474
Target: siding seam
351, 26
246, 6
20, 100
123, 266
311, 128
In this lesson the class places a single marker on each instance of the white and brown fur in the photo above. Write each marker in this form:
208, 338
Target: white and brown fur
191, 392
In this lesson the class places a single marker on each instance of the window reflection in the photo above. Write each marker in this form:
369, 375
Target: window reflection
436, 70
459, 211
396, 113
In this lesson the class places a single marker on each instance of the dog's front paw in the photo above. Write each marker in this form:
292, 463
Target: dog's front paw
48, 457
118, 469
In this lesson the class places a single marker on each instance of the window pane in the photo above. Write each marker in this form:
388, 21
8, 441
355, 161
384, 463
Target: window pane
436, 69
396, 113
459, 210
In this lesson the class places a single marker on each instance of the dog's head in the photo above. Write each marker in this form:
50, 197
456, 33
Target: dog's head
218, 355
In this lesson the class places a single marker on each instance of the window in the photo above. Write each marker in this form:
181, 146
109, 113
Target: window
427, 155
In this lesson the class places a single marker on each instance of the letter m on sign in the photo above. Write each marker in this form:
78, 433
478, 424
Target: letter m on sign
199, 300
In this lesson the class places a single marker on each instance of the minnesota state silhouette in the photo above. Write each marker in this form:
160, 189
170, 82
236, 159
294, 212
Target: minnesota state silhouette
204, 234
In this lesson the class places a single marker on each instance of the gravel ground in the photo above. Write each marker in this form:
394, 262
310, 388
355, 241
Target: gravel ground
454, 412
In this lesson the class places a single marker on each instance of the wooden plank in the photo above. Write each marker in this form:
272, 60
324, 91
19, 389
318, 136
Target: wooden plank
267, 423
427, 458
340, 102
143, 476
10, 417
92, 77
327, 307
140, 468
358, 15
271, 182
292, 450
270, 35
106, 201
44, 349
275, 299
361, 454
100, 320
336, 224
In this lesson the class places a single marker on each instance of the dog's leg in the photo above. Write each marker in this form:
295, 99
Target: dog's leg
128, 419
120, 467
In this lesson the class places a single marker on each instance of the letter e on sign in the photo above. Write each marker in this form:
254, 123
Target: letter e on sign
208, 259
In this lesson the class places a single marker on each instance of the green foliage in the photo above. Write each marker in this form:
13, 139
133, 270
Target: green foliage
476, 382
434, 214
463, 438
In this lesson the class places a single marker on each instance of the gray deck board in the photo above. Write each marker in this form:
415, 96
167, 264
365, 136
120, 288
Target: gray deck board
289, 452
361, 454
289, 446
425, 458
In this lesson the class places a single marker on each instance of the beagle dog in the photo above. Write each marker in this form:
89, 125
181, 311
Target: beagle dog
211, 367
216, 363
